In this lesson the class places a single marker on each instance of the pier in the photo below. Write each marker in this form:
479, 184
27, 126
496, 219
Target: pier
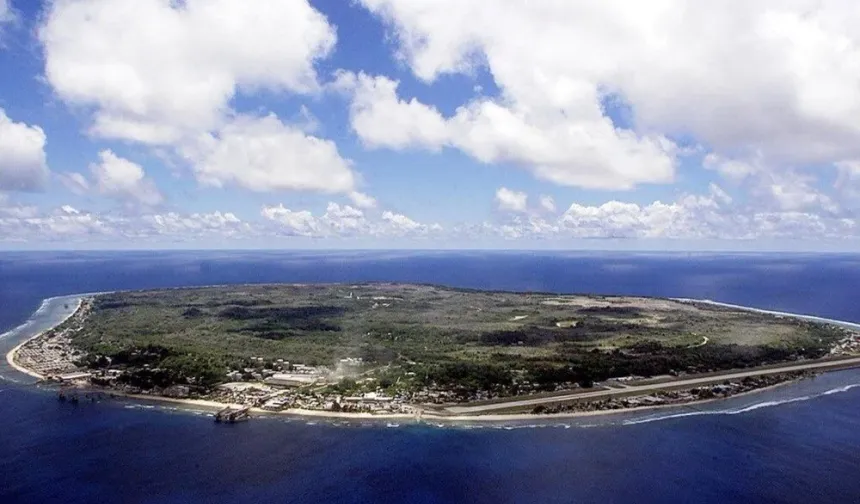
233, 415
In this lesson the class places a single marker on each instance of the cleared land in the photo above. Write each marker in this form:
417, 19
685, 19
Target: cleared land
426, 343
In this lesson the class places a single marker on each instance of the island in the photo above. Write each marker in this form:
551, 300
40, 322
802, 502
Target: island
420, 351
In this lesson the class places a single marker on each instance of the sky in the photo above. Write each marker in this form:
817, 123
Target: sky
430, 124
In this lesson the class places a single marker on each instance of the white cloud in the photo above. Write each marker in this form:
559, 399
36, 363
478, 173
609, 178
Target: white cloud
14, 211
62, 224
6, 13
154, 71
122, 179
383, 120
166, 73
585, 151
527, 227
732, 169
615, 219
719, 195
714, 215
547, 203
362, 200
344, 220
341, 221
512, 201
117, 178
691, 217
264, 154
848, 183
68, 224
23, 165
849, 171
75, 182
772, 78
794, 192
301, 223
186, 227
399, 224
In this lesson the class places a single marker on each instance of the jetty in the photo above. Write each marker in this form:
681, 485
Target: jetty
233, 415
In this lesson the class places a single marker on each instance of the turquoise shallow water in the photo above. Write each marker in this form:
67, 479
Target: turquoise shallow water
792, 444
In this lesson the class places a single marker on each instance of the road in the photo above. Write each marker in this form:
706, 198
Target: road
652, 387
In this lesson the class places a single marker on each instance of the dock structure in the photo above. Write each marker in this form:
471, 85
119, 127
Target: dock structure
233, 415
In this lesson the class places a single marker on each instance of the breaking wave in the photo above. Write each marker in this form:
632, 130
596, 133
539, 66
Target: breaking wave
742, 410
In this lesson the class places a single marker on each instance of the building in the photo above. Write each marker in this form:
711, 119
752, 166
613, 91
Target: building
74, 376
290, 380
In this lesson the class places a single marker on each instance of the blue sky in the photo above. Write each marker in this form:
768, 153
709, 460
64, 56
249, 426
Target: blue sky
445, 124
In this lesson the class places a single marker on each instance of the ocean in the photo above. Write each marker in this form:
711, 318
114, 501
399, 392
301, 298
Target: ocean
794, 444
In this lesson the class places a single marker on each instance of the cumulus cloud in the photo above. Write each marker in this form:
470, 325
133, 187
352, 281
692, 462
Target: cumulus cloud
735, 170
154, 71
68, 224
381, 119
176, 225
63, 223
298, 223
512, 201
794, 192
264, 154
166, 73
23, 165
399, 224
122, 179
117, 178
547, 203
10, 210
714, 215
362, 200
343, 221
586, 151
770, 81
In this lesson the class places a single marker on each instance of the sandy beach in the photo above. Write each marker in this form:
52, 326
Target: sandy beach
10, 356
420, 414
426, 416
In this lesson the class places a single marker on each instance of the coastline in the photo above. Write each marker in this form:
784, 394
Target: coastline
10, 356
801, 316
421, 415
431, 417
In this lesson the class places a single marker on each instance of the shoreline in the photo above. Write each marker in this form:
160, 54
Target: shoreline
801, 316
427, 417
10, 356
421, 415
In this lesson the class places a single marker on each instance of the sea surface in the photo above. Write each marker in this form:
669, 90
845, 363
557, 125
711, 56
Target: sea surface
794, 444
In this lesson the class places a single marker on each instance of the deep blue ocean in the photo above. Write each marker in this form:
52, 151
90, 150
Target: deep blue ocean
795, 444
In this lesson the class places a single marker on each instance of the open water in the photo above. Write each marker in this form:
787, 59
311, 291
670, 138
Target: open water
795, 444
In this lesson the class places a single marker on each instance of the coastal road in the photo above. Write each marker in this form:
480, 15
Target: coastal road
652, 387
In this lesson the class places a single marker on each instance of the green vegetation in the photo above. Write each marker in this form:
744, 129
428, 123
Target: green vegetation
414, 337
